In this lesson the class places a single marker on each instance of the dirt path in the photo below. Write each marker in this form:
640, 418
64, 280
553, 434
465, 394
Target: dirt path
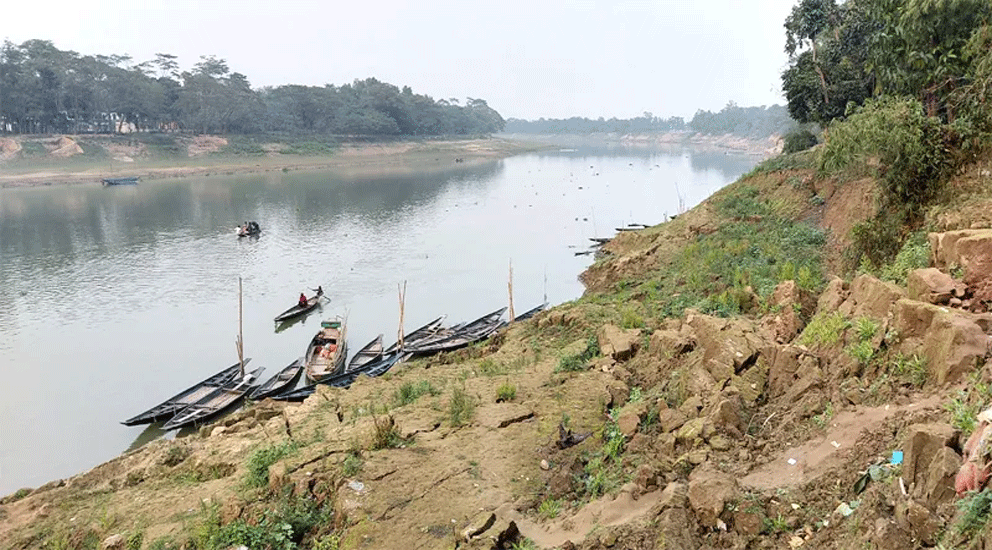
813, 459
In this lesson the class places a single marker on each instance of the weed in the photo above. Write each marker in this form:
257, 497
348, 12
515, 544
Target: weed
821, 420
164, 543
629, 318
572, 363
865, 328
635, 395
282, 526
461, 407
603, 473
962, 412
260, 461
824, 329
352, 464
777, 524
135, 540
327, 542
549, 508
975, 509
506, 392
913, 369
489, 367
863, 352
914, 254
524, 544
411, 391
385, 433
176, 454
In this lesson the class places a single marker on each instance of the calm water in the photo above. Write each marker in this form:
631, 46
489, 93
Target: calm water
112, 299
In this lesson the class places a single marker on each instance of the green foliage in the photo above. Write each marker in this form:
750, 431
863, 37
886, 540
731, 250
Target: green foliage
629, 318
524, 544
914, 254
824, 329
461, 407
912, 369
866, 328
778, 524
135, 540
409, 392
506, 392
352, 464
893, 140
963, 412
385, 433
573, 363
260, 460
603, 472
798, 139
786, 161
283, 526
549, 508
975, 509
862, 352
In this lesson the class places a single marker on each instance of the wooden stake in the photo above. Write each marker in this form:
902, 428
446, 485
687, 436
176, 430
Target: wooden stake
241, 341
402, 294
509, 286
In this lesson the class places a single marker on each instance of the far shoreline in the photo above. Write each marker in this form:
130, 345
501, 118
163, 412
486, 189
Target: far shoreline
351, 158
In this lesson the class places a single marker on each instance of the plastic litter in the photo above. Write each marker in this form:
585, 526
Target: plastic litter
896, 458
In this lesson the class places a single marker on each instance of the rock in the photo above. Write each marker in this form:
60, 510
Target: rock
728, 346
113, 542
691, 406
870, 297
674, 495
628, 422
726, 417
913, 318
720, 443
888, 536
674, 528
671, 419
833, 295
922, 524
563, 477
748, 523
619, 394
931, 285
953, 346
943, 246
974, 254
785, 322
506, 533
939, 488
545, 465
218, 431
478, 525
709, 493
66, 147
922, 443
646, 477
690, 431
618, 343
608, 539
697, 456
667, 344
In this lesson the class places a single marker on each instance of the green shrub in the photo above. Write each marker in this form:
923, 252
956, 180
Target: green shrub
506, 392
824, 329
352, 464
260, 460
549, 508
913, 369
914, 254
385, 433
798, 140
572, 363
409, 392
975, 509
866, 328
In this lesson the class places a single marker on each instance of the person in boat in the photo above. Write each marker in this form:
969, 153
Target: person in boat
303, 300
319, 290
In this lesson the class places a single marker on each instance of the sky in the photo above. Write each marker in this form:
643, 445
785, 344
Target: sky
527, 59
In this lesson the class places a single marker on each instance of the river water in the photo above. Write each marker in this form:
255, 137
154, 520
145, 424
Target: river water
113, 299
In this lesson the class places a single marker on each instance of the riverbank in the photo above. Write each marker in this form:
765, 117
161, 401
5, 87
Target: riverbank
729, 144
65, 160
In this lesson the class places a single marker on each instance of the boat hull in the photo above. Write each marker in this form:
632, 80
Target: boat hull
168, 408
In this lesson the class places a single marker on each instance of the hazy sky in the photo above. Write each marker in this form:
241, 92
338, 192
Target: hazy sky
528, 59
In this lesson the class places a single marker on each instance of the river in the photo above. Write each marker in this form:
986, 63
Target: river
112, 299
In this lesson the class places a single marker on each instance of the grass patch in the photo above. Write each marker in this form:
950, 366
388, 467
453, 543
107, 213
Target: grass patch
825, 329
975, 509
549, 508
603, 473
912, 369
461, 407
409, 392
506, 392
283, 525
385, 433
577, 362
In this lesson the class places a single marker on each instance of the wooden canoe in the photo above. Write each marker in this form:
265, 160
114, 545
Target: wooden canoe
279, 383
327, 351
215, 402
466, 334
371, 352
419, 335
372, 369
169, 407
299, 310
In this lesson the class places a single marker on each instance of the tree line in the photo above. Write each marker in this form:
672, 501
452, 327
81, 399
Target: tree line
732, 119
47, 90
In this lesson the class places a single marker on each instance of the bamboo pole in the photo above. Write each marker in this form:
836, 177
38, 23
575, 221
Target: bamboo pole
402, 296
509, 286
241, 340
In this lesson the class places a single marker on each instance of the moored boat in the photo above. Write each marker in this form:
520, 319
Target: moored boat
215, 402
418, 335
466, 334
326, 353
129, 180
371, 352
169, 407
343, 380
282, 381
530, 312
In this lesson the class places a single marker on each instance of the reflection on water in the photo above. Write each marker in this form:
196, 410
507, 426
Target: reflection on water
113, 299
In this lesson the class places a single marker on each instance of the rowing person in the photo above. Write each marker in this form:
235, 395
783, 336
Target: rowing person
303, 300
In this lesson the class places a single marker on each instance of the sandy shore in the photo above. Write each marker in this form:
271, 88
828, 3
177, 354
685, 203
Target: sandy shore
359, 158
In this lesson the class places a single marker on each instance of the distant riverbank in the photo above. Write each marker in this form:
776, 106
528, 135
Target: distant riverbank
730, 144
62, 160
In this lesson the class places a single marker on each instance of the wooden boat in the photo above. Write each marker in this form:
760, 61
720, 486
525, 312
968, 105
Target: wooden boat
215, 402
419, 335
530, 312
343, 380
371, 352
299, 310
283, 380
326, 353
130, 180
171, 406
466, 334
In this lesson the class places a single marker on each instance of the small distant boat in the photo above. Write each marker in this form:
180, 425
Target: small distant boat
174, 404
251, 229
371, 352
299, 309
283, 380
326, 353
130, 180
463, 335
215, 402
343, 380
417, 336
